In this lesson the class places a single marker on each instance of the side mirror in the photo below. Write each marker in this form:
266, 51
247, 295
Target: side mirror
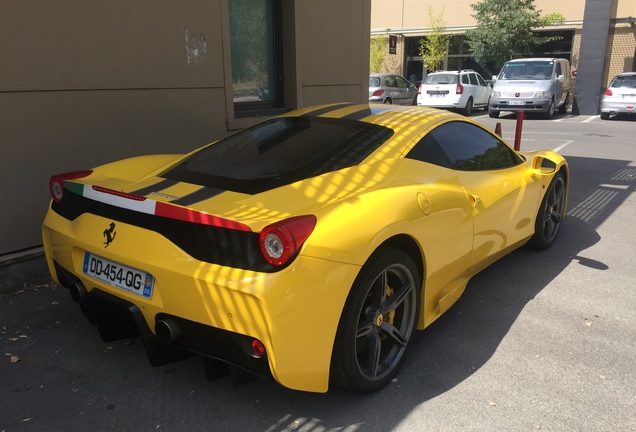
561, 78
541, 165
494, 78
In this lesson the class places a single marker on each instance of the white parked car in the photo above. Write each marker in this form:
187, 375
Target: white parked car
461, 90
620, 96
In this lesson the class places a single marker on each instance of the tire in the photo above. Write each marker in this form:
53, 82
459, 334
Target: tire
563, 109
550, 215
493, 114
605, 116
387, 101
550, 112
378, 322
469, 107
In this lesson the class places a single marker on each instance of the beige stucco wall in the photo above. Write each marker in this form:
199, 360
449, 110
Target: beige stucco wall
85, 83
392, 14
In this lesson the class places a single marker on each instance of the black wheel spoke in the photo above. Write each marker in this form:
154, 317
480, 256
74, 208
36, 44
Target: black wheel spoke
365, 327
375, 348
397, 298
379, 290
394, 334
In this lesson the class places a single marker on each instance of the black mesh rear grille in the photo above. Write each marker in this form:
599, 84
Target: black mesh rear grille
223, 246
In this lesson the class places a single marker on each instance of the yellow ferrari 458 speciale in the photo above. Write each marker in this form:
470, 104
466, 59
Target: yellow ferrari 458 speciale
308, 248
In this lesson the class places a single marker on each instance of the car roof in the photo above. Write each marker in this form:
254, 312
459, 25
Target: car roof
627, 74
451, 71
390, 116
535, 59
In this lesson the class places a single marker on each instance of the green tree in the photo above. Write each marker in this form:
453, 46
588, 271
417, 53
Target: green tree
378, 50
434, 47
504, 29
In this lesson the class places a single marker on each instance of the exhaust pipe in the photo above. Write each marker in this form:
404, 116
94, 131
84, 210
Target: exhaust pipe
77, 291
167, 330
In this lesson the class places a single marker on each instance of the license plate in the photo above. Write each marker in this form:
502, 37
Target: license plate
118, 275
437, 93
515, 103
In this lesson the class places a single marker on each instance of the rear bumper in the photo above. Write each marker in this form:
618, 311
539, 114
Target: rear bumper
294, 312
618, 107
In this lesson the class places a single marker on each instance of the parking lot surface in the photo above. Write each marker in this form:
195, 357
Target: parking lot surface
539, 340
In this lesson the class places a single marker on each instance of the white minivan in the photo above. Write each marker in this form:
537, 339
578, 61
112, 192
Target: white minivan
540, 85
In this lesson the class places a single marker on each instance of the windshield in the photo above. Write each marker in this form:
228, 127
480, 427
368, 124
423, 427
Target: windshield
534, 70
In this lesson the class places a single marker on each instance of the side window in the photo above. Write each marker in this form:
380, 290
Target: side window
402, 83
471, 148
428, 151
473, 79
481, 81
558, 69
465, 79
390, 81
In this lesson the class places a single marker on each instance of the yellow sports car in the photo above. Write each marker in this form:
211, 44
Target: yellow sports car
308, 248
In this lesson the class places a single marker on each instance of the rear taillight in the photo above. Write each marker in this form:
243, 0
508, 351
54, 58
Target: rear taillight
56, 183
282, 240
459, 89
419, 89
608, 92
378, 93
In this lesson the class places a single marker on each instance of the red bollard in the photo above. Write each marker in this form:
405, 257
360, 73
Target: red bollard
518, 130
498, 129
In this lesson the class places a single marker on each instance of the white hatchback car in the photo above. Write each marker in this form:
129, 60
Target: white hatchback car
461, 90
620, 96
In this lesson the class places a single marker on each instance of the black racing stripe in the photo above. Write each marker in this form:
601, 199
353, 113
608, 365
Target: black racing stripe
325, 110
164, 184
200, 195
359, 115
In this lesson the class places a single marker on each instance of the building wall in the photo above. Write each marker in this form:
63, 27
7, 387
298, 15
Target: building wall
411, 18
85, 83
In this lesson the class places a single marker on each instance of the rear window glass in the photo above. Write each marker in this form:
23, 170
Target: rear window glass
374, 82
624, 81
281, 151
441, 79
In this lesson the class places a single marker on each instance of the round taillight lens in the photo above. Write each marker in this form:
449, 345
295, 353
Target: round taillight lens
281, 241
56, 183
258, 349
608, 92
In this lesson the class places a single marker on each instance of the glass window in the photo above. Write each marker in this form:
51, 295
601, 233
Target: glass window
279, 152
473, 79
255, 40
427, 150
465, 79
481, 81
471, 148
402, 83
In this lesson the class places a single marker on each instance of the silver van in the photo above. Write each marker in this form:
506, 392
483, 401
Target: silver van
539, 85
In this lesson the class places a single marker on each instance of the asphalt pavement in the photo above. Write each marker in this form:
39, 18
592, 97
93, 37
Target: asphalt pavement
539, 341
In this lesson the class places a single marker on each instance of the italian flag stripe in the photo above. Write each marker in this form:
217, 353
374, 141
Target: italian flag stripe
149, 206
